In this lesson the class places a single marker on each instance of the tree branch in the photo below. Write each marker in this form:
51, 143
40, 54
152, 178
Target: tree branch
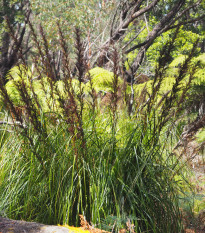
186, 22
122, 28
187, 9
136, 47
130, 41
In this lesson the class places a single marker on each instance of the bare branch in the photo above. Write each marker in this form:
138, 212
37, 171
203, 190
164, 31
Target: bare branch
122, 28
153, 34
136, 47
129, 42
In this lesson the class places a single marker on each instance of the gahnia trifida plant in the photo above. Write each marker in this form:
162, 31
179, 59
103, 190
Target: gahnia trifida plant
64, 155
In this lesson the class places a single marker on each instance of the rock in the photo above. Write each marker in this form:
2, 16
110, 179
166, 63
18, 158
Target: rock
14, 226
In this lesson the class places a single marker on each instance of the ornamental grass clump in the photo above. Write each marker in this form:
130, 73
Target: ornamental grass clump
72, 158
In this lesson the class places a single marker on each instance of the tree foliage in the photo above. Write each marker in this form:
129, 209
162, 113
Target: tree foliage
90, 16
